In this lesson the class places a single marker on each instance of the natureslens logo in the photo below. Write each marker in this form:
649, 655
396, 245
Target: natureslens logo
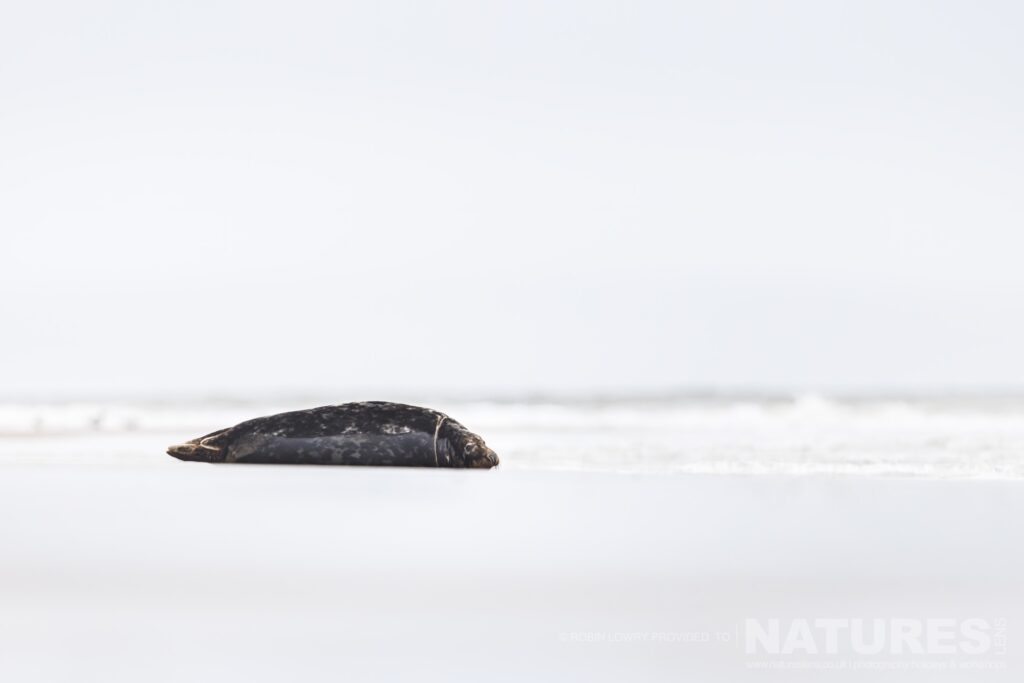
974, 636
847, 643
862, 643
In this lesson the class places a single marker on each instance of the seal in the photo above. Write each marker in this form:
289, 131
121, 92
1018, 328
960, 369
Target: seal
368, 433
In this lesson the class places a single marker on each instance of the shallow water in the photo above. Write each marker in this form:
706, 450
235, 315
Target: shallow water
945, 436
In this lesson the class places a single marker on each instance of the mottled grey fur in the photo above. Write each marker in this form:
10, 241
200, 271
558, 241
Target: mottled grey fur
370, 433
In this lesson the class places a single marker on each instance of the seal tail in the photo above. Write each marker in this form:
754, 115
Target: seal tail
203, 449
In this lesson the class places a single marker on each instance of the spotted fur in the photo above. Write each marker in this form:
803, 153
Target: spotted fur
369, 433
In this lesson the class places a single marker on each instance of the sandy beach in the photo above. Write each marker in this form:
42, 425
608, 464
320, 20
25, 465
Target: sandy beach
175, 572
732, 289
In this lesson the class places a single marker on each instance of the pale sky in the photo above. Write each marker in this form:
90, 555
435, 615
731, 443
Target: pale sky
497, 197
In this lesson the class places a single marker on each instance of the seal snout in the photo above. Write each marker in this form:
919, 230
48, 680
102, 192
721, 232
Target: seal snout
488, 459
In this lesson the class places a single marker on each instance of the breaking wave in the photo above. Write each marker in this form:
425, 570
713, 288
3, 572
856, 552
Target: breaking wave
934, 437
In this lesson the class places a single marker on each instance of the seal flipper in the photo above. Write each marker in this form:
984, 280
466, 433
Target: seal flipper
209, 448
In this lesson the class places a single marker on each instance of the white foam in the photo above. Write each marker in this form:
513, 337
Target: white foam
809, 434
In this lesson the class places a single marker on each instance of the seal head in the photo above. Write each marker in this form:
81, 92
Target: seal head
463, 448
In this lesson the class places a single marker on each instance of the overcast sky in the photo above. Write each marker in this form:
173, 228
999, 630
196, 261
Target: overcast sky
480, 196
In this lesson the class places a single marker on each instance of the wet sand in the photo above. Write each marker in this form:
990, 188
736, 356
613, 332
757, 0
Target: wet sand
199, 572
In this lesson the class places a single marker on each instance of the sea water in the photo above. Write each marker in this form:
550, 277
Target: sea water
935, 436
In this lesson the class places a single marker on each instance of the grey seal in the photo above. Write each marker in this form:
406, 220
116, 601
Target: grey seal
368, 433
